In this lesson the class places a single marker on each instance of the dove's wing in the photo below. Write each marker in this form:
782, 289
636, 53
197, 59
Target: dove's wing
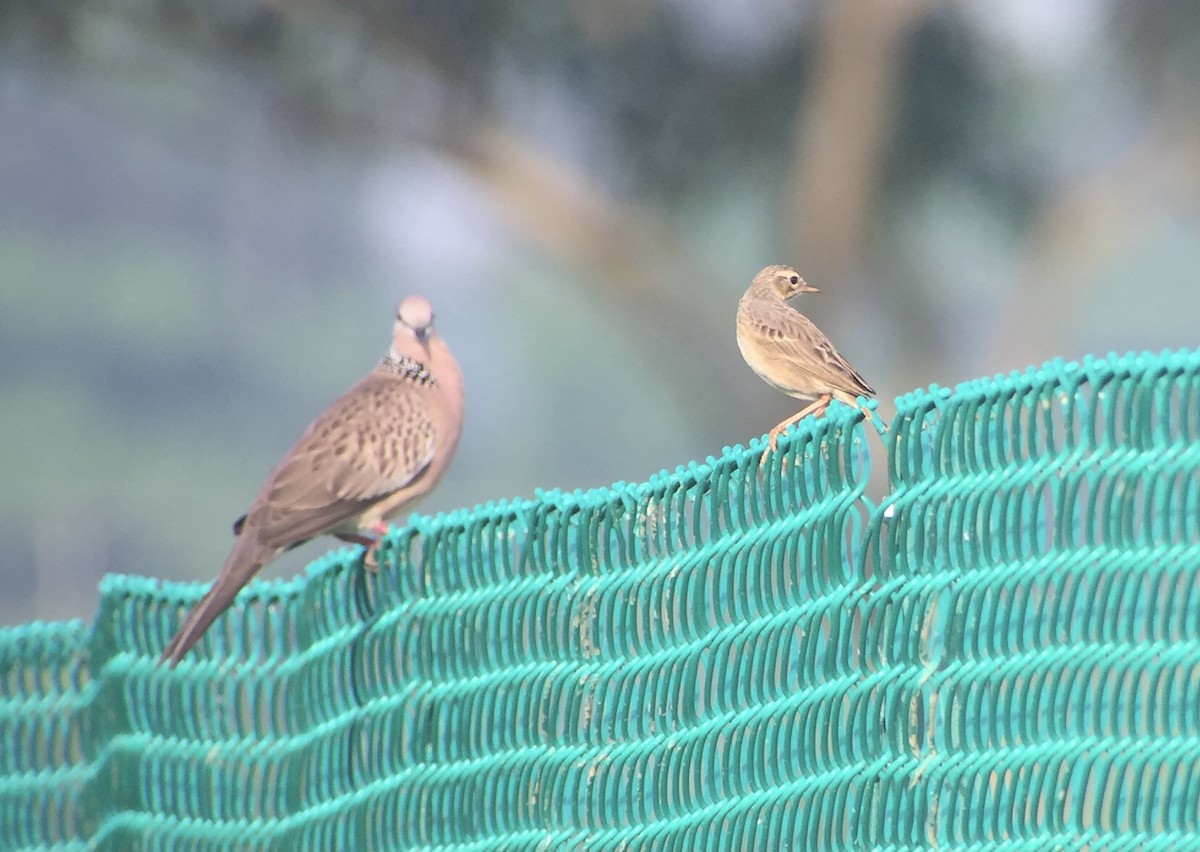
375, 440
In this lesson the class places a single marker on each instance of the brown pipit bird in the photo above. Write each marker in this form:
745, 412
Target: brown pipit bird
790, 353
370, 455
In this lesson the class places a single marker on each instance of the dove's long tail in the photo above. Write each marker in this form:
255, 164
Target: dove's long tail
243, 563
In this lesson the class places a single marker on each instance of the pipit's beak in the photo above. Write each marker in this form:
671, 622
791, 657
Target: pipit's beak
808, 288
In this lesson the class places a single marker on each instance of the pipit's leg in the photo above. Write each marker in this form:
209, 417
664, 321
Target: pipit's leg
816, 408
369, 560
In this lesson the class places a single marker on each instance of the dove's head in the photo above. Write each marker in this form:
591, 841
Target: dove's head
414, 324
783, 281
420, 354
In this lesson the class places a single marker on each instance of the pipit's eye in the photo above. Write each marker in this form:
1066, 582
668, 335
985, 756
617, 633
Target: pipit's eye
794, 279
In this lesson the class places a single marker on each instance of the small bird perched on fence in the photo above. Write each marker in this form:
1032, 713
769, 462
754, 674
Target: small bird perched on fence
790, 353
370, 455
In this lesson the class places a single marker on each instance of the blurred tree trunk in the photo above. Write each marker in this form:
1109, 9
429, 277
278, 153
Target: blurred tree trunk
842, 132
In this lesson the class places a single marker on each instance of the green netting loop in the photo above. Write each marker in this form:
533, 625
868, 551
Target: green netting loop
738, 654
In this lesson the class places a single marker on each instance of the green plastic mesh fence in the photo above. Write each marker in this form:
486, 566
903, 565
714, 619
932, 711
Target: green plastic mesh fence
1004, 654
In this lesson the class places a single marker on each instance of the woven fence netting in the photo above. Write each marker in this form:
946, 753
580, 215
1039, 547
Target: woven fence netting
1001, 653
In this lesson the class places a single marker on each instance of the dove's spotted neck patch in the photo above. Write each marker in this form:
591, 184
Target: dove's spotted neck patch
407, 368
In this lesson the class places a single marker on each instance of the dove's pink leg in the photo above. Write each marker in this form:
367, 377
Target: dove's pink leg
379, 528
